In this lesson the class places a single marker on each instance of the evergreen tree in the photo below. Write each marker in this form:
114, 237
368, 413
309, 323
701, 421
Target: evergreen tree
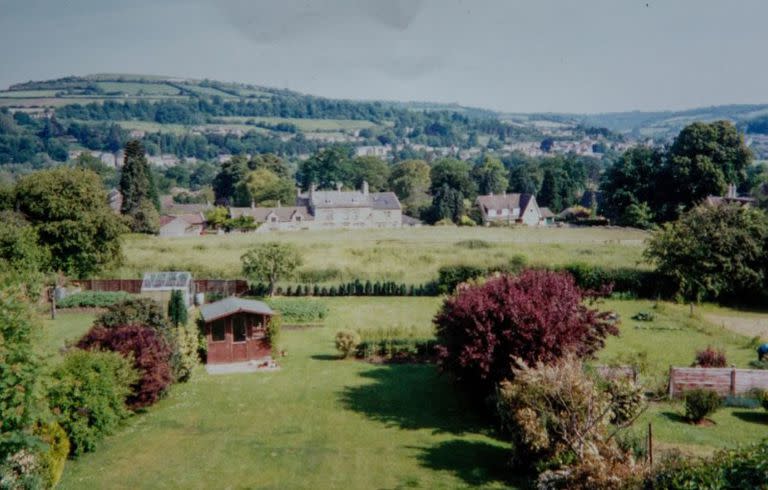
177, 310
550, 194
136, 181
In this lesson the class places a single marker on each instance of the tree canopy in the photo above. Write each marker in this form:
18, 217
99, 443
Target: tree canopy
270, 262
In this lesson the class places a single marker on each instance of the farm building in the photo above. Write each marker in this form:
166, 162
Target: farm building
160, 285
236, 330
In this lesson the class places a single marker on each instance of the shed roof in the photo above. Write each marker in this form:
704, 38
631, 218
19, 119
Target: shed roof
230, 306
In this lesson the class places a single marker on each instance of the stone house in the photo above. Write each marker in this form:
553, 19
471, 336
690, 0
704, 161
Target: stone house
182, 225
512, 209
352, 209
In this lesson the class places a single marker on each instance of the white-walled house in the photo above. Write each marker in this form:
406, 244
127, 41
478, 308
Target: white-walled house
512, 209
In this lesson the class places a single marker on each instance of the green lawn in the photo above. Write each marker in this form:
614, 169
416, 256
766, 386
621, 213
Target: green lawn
403, 255
322, 422
67, 327
318, 423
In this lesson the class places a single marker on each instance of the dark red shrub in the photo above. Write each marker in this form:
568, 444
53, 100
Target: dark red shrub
537, 316
710, 358
150, 354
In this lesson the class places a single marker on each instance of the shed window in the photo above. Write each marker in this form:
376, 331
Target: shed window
218, 330
238, 330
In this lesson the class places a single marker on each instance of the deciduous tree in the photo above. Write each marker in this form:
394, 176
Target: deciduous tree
271, 262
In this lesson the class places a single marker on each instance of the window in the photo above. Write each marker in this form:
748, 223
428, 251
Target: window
238, 330
218, 331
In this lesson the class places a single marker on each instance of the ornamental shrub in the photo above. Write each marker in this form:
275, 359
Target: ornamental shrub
346, 342
710, 358
537, 316
699, 403
88, 396
134, 311
54, 458
177, 309
185, 355
627, 400
149, 351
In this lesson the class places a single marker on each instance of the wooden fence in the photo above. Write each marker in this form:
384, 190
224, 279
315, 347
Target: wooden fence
617, 372
725, 381
224, 287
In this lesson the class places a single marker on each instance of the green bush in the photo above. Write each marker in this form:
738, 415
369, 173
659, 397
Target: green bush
185, 355
450, 276
474, 244
54, 457
347, 341
88, 396
627, 400
299, 310
274, 327
134, 311
740, 468
92, 299
699, 403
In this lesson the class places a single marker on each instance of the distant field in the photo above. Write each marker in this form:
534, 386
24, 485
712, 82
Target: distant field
27, 94
308, 124
136, 88
410, 255
206, 90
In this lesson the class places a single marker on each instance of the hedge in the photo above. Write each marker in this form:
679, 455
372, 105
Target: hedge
355, 288
93, 299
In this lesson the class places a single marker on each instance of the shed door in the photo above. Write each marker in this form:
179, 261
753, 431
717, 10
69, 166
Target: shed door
239, 339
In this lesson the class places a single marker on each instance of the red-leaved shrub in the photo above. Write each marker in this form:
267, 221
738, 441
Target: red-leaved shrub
538, 316
150, 354
710, 358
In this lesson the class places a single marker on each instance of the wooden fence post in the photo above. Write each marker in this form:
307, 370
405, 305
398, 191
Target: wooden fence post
671, 388
733, 381
650, 444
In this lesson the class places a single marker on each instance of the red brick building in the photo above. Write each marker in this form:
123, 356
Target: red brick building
236, 330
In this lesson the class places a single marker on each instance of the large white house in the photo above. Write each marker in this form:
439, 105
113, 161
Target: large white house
513, 209
329, 209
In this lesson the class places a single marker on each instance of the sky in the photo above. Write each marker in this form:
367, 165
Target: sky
583, 56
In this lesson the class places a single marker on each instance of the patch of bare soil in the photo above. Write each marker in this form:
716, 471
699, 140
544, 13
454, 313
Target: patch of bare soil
752, 326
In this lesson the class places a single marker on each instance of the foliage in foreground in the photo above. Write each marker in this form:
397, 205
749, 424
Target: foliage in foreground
149, 351
537, 316
559, 420
729, 469
88, 396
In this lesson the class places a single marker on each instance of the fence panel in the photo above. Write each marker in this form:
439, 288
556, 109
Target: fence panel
725, 381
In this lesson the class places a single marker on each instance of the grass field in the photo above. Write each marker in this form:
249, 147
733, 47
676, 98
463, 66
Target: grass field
137, 88
402, 255
322, 422
308, 124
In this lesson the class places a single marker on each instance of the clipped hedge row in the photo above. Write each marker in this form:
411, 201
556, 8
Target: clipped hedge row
92, 299
355, 288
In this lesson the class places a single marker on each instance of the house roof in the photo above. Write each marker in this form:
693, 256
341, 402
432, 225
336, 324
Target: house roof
230, 306
191, 219
174, 209
546, 213
260, 215
504, 201
350, 199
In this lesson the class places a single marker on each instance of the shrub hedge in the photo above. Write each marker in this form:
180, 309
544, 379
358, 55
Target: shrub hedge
88, 396
92, 299
699, 403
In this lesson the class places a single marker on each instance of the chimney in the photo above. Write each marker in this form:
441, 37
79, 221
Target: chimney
339, 186
312, 189
253, 204
732, 191
365, 187
279, 205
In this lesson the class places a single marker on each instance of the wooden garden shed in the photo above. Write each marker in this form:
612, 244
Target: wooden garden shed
236, 330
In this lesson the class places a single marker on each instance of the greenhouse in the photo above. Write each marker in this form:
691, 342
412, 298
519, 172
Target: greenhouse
160, 285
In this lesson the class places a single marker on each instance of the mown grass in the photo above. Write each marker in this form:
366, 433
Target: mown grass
409, 256
308, 124
322, 422
318, 423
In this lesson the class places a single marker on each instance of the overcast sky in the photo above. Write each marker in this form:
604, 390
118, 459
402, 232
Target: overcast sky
511, 55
